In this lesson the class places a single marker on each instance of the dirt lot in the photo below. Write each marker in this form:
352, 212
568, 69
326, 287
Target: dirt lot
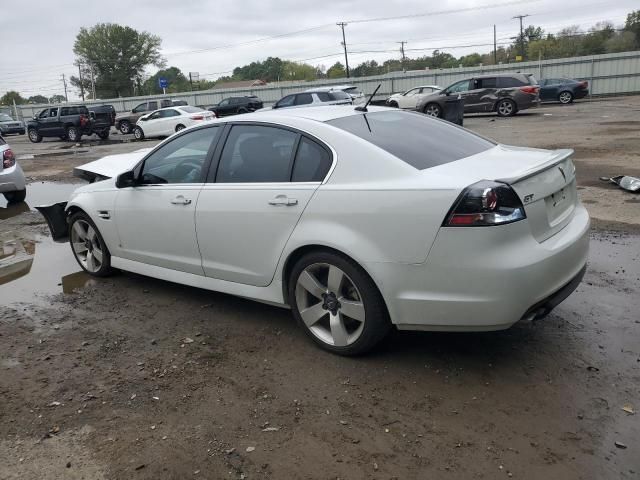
134, 378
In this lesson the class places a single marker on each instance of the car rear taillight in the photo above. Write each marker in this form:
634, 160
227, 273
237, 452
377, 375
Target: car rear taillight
485, 203
197, 117
8, 159
83, 120
584, 84
529, 89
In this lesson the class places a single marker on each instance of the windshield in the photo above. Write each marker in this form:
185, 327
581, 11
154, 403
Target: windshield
5, 118
419, 140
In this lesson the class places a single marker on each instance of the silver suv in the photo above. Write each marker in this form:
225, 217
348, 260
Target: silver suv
314, 99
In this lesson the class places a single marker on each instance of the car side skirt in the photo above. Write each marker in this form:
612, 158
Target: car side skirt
271, 294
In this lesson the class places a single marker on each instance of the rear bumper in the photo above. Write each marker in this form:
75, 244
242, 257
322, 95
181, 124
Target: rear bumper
478, 279
12, 179
581, 93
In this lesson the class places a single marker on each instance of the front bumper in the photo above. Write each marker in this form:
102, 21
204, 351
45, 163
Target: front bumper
12, 179
12, 130
478, 279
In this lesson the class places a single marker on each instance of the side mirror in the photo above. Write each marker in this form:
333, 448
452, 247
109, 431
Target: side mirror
447, 92
126, 179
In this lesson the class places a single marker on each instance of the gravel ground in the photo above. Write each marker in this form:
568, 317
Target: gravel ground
130, 377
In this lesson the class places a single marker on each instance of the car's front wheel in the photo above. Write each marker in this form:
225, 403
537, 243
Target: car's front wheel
337, 303
88, 245
506, 108
565, 98
138, 133
433, 110
180, 127
34, 135
16, 196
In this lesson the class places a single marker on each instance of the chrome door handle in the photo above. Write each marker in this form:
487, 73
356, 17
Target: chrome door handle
180, 200
283, 200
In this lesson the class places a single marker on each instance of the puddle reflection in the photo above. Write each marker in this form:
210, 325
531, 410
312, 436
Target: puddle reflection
29, 271
13, 210
42, 193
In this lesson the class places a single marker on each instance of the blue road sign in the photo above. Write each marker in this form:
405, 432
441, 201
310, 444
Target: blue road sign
163, 82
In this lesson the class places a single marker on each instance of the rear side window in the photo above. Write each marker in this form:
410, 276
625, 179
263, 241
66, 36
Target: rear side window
323, 96
304, 99
312, 162
510, 82
154, 105
485, 82
255, 154
419, 140
339, 95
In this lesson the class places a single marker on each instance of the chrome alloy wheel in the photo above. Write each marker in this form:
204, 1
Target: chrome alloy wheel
565, 97
86, 246
330, 304
505, 108
433, 110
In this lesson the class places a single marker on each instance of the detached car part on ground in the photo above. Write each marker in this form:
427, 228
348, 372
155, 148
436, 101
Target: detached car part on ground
12, 182
358, 220
505, 94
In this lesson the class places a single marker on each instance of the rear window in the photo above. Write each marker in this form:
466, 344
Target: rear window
189, 109
339, 95
353, 91
421, 141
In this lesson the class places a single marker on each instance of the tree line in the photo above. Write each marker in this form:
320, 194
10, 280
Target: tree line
112, 59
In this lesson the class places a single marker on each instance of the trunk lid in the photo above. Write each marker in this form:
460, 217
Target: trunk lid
544, 180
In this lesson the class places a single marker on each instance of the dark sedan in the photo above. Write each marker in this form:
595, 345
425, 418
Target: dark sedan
563, 90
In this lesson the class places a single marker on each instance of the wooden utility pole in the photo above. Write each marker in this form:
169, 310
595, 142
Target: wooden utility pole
402, 51
495, 47
81, 86
521, 34
344, 44
64, 82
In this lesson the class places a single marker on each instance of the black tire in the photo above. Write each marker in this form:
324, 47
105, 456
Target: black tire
125, 127
138, 133
105, 268
506, 108
16, 196
565, 97
433, 110
393, 104
34, 135
376, 325
180, 127
73, 134
103, 134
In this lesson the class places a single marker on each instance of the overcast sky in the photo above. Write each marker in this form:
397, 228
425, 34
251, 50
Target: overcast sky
37, 37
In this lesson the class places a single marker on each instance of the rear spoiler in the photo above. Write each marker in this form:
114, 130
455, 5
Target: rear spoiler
557, 157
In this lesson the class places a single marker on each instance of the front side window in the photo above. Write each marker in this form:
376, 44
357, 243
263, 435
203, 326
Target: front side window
53, 112
255, 154
44, 113
411, 92
458, 87
140, 108
181, 160
304, 99
312, 162
155, 115
419, 140
286, 101
224, 103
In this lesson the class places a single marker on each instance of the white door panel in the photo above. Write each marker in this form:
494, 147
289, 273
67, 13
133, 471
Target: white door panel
156, 225
243, 228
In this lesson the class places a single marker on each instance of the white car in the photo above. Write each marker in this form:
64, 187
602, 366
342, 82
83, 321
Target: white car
354, 92
410, 98
357, 220
12, 182
167, 121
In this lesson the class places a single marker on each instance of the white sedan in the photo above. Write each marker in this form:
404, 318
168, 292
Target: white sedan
409, 99
167, 121
360, 221
12, 181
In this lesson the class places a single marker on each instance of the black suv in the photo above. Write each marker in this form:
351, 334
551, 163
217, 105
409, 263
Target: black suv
71, 122
236, 105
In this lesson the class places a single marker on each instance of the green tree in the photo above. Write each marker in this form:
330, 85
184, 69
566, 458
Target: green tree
633, 25
178, 82
10, 97
336, 71
118, 54
471, 60
621, 42
37, 99
365, 69
57, 99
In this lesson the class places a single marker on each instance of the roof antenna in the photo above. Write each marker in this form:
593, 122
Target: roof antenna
364, 107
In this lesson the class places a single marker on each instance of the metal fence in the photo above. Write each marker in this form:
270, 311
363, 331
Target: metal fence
613, 73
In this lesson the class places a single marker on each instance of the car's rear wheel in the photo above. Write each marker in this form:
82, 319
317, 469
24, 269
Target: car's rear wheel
565, 97
125, 127
433, 110
34, 135
138, 133
337, 303
16, 196
88, 246
393, 104
73, 134
179, 127
103, 134
506, 108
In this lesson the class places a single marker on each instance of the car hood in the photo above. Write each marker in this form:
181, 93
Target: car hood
110, 166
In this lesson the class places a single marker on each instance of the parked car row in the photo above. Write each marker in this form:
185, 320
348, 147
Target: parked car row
505, 94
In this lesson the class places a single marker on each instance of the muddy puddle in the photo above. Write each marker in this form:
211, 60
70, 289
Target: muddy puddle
31, 271
40, 193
